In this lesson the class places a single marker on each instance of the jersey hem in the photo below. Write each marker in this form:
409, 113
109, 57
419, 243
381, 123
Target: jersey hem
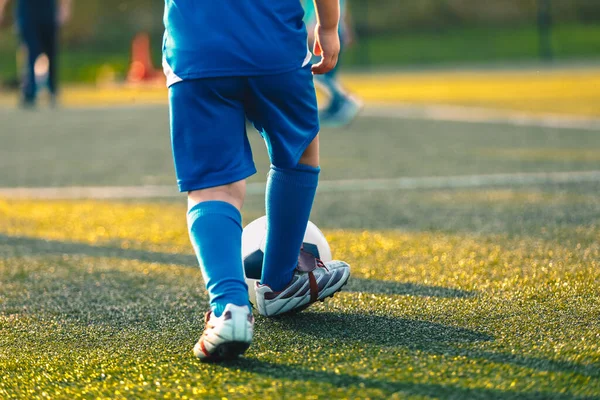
227, 73
216, 179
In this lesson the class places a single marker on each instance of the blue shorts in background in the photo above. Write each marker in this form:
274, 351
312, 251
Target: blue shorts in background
208, 124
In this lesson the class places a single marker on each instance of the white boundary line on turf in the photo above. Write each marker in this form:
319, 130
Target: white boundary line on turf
447, 113
333, 186
480, 115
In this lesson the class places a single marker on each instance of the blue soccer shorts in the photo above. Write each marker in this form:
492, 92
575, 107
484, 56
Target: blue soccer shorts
208, 125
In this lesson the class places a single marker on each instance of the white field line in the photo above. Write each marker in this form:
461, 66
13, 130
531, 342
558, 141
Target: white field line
333, 186
442, 113
480, 115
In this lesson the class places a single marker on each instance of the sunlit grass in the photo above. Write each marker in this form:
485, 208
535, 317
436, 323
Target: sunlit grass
465, 293
560, 91
545, 91
155, 226
103, 299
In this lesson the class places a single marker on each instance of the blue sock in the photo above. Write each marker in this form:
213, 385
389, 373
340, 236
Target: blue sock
215, 229
289, 198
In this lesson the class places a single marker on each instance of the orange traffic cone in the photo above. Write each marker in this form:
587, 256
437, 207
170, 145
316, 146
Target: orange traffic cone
141, 68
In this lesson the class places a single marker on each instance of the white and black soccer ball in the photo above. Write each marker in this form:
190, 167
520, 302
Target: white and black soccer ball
253, 247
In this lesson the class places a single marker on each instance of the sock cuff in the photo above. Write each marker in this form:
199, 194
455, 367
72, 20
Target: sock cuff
214, 207
301, 175
307, 168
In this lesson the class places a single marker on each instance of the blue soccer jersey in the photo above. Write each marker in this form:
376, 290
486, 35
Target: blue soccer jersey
219, 38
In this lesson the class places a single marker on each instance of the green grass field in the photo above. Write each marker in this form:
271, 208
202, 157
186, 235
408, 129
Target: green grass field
483, 292
474, 44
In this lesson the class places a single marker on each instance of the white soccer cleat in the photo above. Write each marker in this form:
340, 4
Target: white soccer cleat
313, 280
227, 336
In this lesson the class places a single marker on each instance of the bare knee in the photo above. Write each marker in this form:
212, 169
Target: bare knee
233, 193
311, 154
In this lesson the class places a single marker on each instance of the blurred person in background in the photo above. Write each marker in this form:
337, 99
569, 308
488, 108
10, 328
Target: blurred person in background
342, 107
38, 23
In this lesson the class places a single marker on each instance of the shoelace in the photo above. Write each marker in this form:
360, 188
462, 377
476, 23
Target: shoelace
320, 263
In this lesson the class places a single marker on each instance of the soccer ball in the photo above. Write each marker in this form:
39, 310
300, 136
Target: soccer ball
253, 246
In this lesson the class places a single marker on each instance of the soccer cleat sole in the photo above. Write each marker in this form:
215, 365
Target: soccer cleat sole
227, 352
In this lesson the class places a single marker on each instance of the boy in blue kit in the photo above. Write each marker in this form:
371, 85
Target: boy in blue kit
226, 61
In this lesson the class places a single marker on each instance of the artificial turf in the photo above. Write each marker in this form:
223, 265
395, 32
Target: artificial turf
561, 88
103, 300
131, 146
455, 293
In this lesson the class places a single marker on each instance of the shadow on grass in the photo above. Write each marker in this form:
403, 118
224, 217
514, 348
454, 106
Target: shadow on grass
540, 364
420, 335
19, 246
22, 246
379, 330
403, 288
285, 373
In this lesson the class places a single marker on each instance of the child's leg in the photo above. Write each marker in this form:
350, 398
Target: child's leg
212, 160
284, 108
289, 199
215, 228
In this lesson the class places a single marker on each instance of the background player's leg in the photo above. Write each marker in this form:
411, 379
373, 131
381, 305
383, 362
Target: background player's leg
31, 44
330, 84
215, 228
342, 107
50, 44
289, 199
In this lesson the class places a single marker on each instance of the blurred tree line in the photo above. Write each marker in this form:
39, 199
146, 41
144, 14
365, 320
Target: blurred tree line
107, 21
396, 16
389, 33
